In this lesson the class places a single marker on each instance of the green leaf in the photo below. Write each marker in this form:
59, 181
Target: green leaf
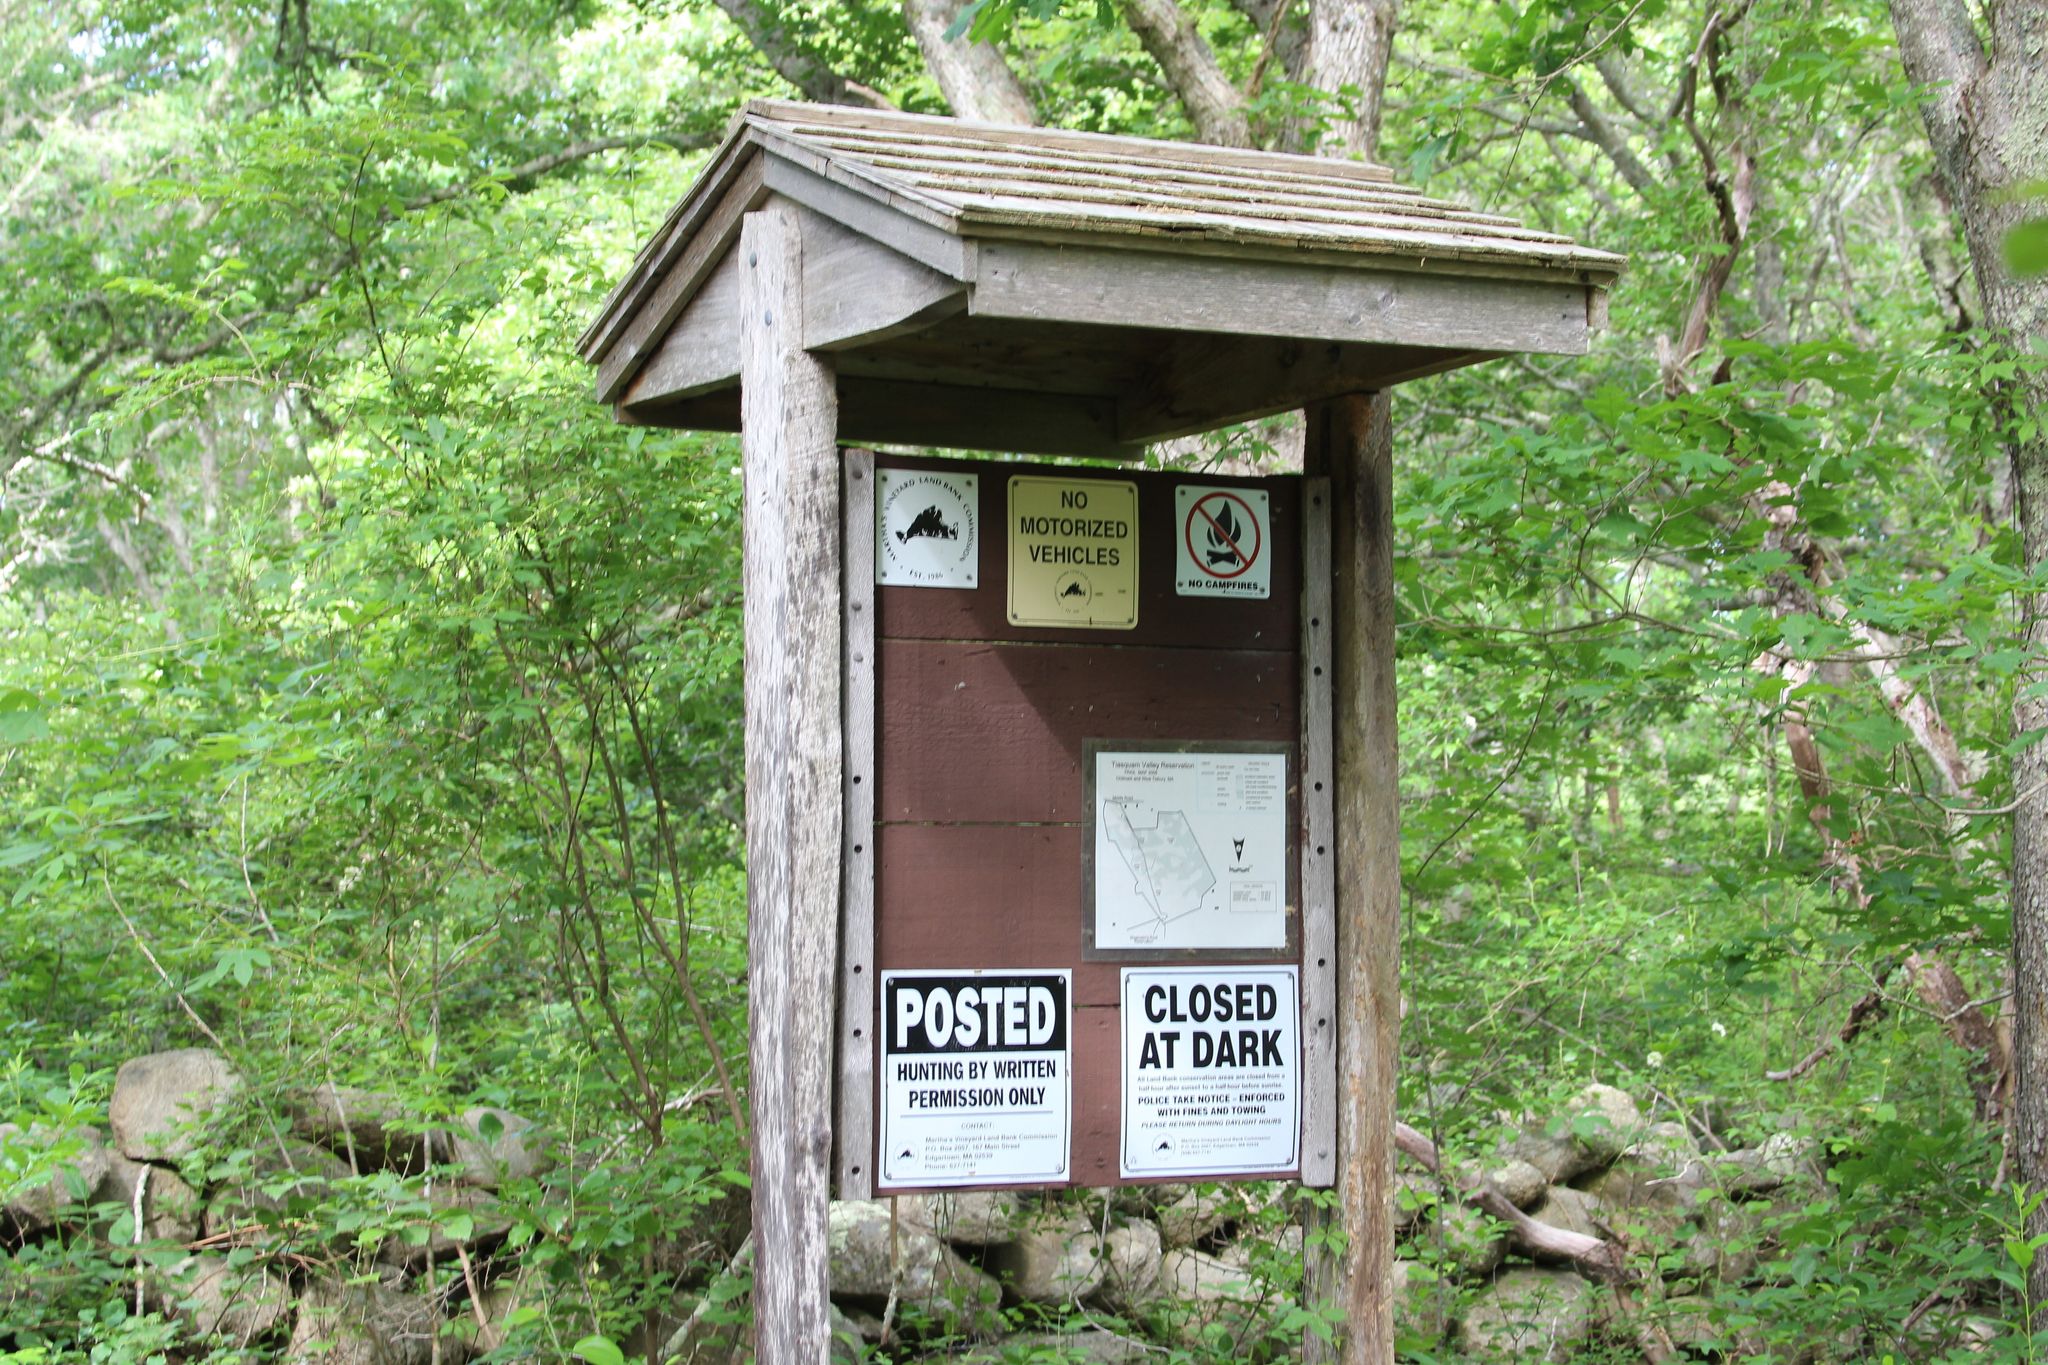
21, 717
2026, 248
598, 1351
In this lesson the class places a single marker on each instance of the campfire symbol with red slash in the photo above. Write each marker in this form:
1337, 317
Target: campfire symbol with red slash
1230, 535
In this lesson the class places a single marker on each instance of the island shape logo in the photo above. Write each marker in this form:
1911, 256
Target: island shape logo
925, 529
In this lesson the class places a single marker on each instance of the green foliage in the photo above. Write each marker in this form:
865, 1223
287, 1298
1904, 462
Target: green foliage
369, 699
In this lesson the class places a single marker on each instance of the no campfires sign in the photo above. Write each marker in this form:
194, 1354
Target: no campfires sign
1221, 549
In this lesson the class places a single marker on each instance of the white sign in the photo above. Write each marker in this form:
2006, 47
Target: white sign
925, 535
1224, 546
977, 1077
1212, 1068
1190, 850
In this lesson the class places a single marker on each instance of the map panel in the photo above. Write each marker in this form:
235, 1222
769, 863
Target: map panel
1190, 850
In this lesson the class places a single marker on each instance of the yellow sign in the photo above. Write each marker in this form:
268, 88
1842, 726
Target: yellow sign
1073, 552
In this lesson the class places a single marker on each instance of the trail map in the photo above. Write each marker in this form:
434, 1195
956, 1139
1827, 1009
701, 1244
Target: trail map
1190, 850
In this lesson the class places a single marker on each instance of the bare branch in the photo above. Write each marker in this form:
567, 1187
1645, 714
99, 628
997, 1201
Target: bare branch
801, 68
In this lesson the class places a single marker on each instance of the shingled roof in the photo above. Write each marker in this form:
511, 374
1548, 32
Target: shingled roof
965, 224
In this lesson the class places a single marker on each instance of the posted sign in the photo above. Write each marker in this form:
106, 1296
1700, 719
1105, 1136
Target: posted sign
977, 1072
1212, 1071
1073, 552
1223, 548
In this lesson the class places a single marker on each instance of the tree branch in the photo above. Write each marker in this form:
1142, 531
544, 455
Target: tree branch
1214, 105
801, 68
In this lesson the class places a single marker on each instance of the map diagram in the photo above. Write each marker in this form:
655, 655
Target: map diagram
1164, 859
1190, 850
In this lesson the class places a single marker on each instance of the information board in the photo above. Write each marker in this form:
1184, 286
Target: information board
1190, 848
1212, 1070
1051, 782
977, 1078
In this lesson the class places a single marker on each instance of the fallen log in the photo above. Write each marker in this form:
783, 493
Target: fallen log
1593, 1257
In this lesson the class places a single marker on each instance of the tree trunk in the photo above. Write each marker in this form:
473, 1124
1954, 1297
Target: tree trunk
1214, 105
1348, 45
1988, 121
974, 78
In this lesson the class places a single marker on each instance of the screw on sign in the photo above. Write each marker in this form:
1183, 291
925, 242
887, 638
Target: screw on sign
1231, 536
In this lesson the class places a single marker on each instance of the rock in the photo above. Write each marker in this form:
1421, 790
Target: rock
1131, 1266
1782, 1159
1191, 1274
1054, 1263
1570, 1209
1526, 1313
1521, 1182
1193, 1216
1557, 1156
497, 1146
650, 1330
373, 1126
1205, 1290
1089, 1346
972, 1218
932, 1276
363, 1324
1595, 1126
1665, 1146
1689, 1321
163, 1102
501, 1301
1606, 1121
1421, 1302
1474, 1244
172, 1211
67, 1168
1649, 1207
867, 1324
1415, 1195
462, 1216
215, 1299
278, 1177
705, 1341
1726, 1246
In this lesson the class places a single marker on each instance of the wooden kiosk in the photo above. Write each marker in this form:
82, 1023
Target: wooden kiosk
1050, 767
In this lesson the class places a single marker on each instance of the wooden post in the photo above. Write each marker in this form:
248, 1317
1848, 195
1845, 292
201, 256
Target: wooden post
789, 421
1350, 440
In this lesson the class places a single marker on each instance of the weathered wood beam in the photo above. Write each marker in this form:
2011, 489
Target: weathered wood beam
960, 417
856, 293
1318, 860
793, 763
632, 337
1350, 440
1196, 293
1201, 382
854, 1102
900, 224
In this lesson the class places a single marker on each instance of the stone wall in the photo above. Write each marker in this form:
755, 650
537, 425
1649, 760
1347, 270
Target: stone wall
1105, 1275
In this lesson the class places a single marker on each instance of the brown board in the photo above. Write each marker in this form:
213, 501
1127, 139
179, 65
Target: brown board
982, 826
